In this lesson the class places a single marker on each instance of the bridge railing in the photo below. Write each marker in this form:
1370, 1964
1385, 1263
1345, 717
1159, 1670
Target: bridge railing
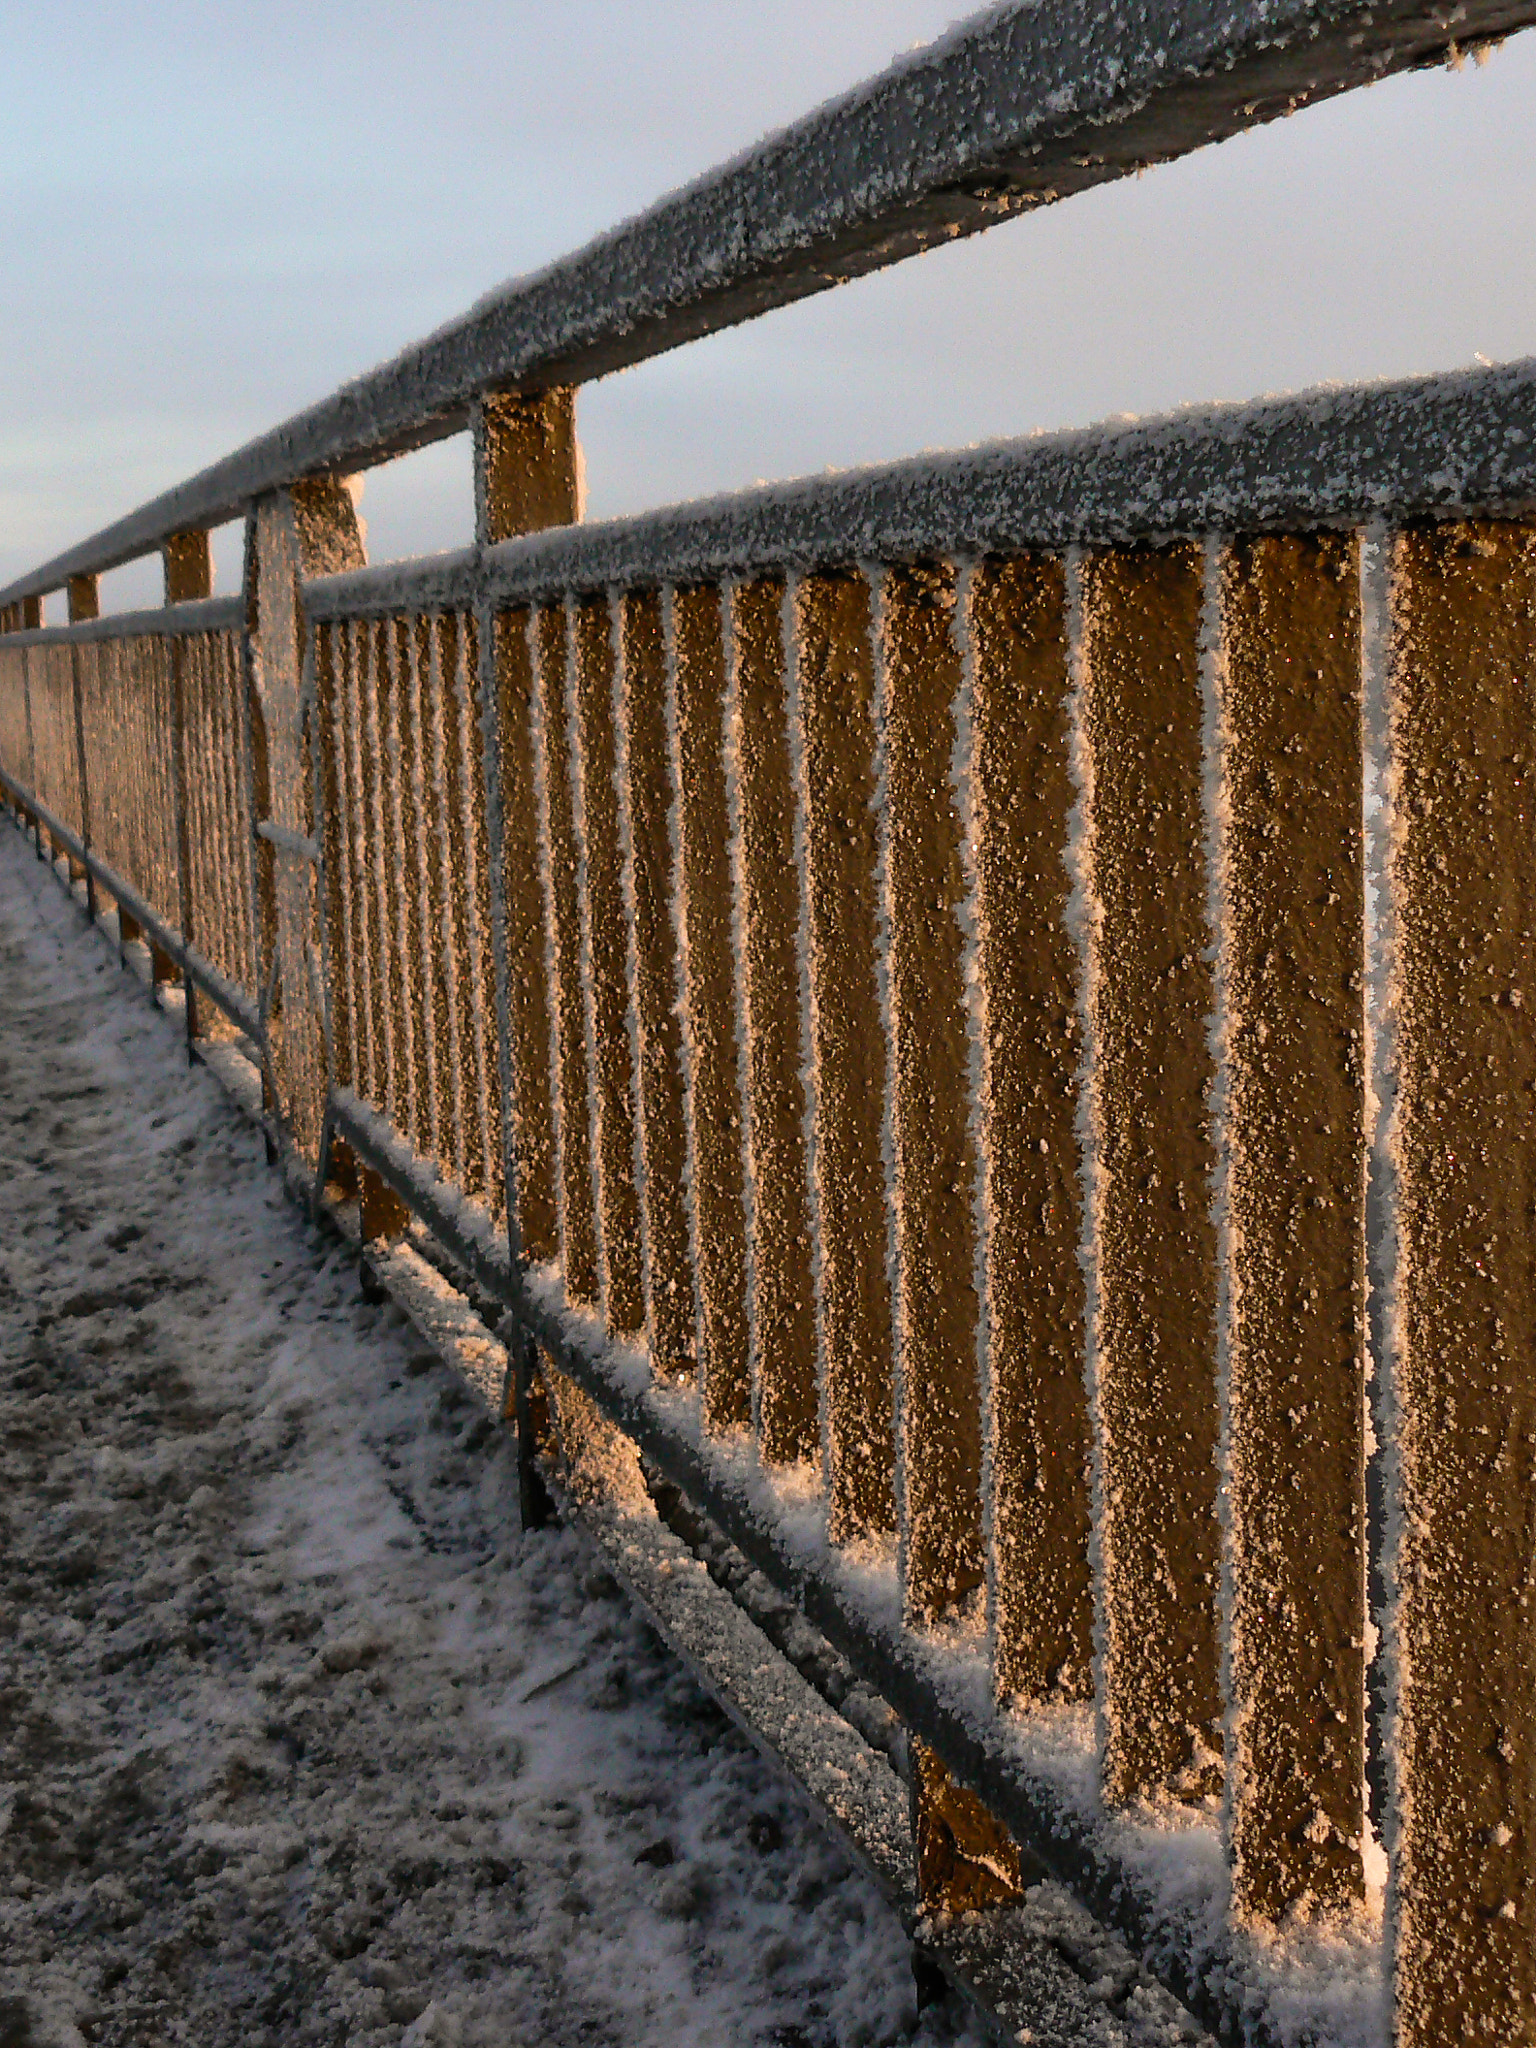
978, 1010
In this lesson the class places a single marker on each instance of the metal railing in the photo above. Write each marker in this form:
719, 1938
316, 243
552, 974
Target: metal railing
979, 1011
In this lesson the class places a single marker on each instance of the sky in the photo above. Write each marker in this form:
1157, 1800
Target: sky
214, 215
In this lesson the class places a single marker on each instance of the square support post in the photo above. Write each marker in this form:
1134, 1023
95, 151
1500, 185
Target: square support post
291, 536
527, 478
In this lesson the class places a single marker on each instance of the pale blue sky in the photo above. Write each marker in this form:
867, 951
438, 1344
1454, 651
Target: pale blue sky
212, 215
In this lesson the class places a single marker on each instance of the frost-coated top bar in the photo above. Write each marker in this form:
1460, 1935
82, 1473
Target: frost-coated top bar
1026, 104
203, 615
1426, 447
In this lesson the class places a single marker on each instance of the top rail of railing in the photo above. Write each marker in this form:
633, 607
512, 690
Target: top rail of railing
1024, 105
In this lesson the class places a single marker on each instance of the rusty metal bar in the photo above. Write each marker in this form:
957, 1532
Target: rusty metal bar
490, 1146
650, 795
388, 690
578, 1217
335, 894
450, 883
368, 1024
533, 1137
1155, 1248
1293, 951
413, 928
783, 1308
1039, 1584
1461, 878
939, 1441
439, 1021
835, 692
605, 962
712, 1052
380, 958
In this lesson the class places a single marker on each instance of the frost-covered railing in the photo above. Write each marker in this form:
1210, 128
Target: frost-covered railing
977, 1010
128, 736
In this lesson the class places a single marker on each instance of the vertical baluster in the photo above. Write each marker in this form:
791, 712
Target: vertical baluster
434, 631
96, 678
133, 798
939, 1399
1293, 950
80, 661
61, 693
30, 720
161, 725
443, 726
138, 777
226, 872
488, 1128
1463, 892
650, 794
351, 872
215, 895
1041, 1591
1155, 1371
390, 689
131, 780
337, 907
367, 1029
605, 944
189, 850
123, 780
145, 817
578, 1218
466, 1072
37, 731
235, 716
187, 569
783, 1308
835, 689
380, 966
83, 601
423, 1132
527, 947
709, 972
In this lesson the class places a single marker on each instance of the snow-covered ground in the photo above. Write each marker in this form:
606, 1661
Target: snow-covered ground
300, 1738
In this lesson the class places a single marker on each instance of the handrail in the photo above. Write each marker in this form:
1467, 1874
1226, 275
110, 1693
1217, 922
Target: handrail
1332, 457
167, 622
1024, 105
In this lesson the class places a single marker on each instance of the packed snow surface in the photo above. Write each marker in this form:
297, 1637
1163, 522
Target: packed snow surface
300, 1738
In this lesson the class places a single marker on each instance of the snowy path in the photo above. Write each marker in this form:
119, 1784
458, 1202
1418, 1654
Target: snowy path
300, 1739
